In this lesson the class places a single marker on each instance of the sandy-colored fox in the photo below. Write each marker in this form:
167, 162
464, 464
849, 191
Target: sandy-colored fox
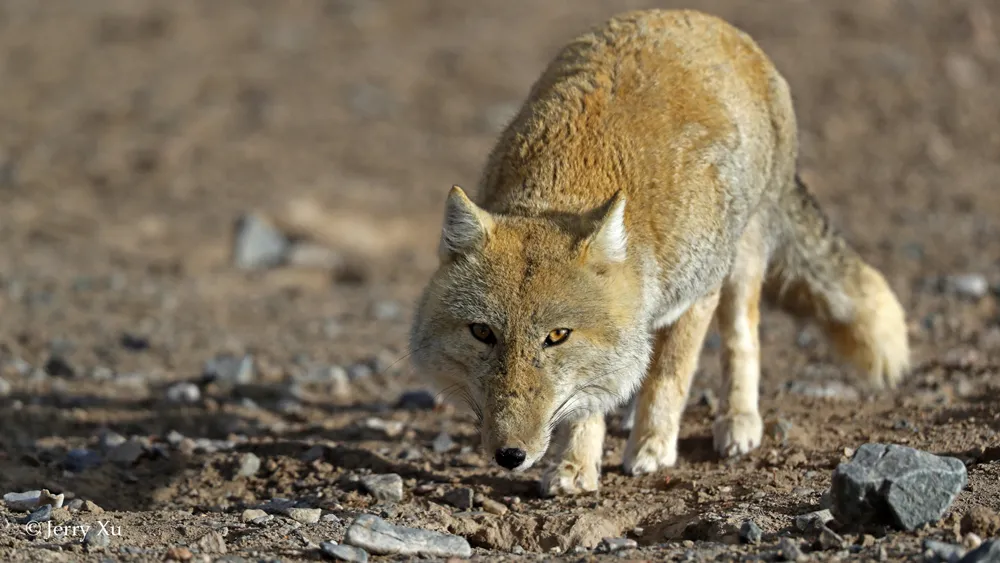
646, 186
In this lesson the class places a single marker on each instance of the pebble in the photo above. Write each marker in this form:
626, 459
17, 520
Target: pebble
387, 487
830, 539
420, 400
212, 542
41, 514
386, 310
185, 393
492, 506
359, 371
611, 545
257, 244
96, 538
442, 443
81, 459
252, 514
750, 532
5, 387
941, 552
460, 498
230, 369
57, 366
178, 553
988, 552
790, 550
968, 286
305, 515
347, 553
896, 484
377, 536
249, 465
127, 453
813, 520
18, 502
134, 343
110, 440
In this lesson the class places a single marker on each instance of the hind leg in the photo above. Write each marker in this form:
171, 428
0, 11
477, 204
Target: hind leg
739, 428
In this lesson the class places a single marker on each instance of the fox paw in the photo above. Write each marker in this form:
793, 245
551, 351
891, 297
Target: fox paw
566, 478
737, 434
649, 454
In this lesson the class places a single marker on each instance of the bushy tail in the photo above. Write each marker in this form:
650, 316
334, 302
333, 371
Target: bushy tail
815, 273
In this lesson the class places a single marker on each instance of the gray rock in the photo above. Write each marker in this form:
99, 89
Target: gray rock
790, 550
96, 538
442, 443
81, 459
895, 485
359, 371
230, 369
127, 453
988, 552
249, 465
460, 498
750, 532
387, 487
421, 400
347, 553
5, 387
611, 545
185, 393
18, 502
813, 521
251, 514
212, 542
41, 514
829, 539
258, 244
968, 286
305, 515
110, 440
377, 536
941, 552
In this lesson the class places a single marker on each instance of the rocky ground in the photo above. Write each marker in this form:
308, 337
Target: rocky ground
216, 216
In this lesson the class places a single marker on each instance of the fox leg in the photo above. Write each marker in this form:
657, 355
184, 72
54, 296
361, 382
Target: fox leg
652, 444
579, 467
738, 427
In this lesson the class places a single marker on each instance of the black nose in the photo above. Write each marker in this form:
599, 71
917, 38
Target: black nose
511, 458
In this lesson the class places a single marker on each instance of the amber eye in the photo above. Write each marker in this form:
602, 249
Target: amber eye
557, 337
482, 333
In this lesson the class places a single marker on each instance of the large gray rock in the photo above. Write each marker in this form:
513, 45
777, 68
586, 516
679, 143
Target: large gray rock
895, 485
989, 552
377, 536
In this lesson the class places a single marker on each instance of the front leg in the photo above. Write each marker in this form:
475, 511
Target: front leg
652, 444
578, 469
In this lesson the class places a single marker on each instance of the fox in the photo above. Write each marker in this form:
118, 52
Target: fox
647, 186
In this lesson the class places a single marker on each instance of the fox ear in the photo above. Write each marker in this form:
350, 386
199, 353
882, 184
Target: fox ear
466, 226
609, 242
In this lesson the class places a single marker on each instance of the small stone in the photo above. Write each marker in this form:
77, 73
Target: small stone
377, 536
249, 465
813, 521
81, 459
417, 400
442, 443
47, 498
493, 507
96, 538
386, 310
134, 343
331, 518
829, 539
896, 484
41, 514
460, 498
790, 550
359, 371
750, 532
941, 552
127, 453
19, 502
110, 440
230, 369
988, 552
251, 514
611, 545
57, 366
91, 507
968, 286
185, 393
347, 553
258, 245
212, 542
5, 387
174, 438
384, 487
179, 553
305, 515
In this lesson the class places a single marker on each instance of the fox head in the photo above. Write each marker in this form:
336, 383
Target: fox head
533, 321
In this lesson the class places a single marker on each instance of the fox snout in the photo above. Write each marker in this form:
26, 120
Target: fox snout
516, 434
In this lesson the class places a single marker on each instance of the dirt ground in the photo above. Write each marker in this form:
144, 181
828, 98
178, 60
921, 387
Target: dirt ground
134, 134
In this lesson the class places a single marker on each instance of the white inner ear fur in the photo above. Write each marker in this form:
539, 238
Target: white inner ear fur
464, 224
611, 240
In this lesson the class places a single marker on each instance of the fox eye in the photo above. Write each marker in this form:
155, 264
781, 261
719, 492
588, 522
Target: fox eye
557, 337
482, 333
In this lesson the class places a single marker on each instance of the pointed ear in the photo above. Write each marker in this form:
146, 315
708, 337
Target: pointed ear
466, 226
609, 241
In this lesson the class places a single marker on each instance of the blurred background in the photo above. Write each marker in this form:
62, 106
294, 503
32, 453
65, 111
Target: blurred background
197, 196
